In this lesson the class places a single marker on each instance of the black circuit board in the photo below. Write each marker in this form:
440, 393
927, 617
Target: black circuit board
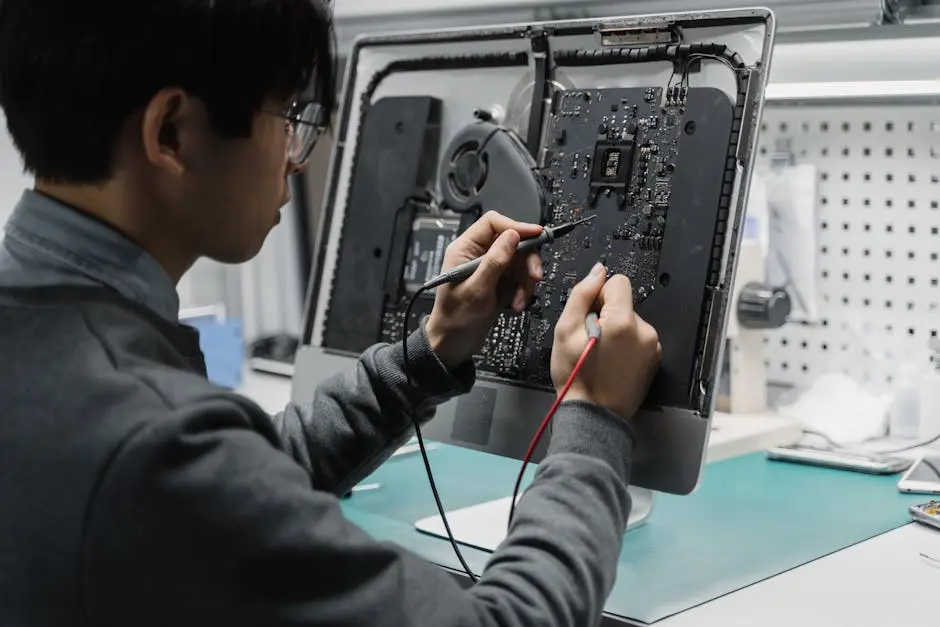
611, 153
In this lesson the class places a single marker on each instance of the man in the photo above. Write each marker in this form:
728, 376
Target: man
134, 492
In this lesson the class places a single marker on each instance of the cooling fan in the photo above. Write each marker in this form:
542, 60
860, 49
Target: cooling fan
487, 167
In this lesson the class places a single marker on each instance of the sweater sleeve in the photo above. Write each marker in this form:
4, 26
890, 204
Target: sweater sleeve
359, 417
200, 520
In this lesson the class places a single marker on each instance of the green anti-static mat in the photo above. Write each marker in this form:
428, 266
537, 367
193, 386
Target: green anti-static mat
749, 520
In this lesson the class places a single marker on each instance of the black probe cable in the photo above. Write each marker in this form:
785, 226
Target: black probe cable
424, 451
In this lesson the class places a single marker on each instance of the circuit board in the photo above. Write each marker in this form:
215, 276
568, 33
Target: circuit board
612, 153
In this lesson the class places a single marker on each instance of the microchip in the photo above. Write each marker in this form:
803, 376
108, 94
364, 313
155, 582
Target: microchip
429, 239
612, 163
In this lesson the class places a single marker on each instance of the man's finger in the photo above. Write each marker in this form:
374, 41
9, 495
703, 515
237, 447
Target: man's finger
534, 266
584, 295
495, 262
491, 224
617, 294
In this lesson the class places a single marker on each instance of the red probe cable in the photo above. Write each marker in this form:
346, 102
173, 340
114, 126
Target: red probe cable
594, 334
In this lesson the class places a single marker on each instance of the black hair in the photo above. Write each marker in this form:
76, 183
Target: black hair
73, 71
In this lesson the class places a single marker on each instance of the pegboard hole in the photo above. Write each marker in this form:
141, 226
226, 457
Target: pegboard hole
845, 252
845, 127
824, 250
867, 302
824, 200
889, 177
867, 202
845, 225
889, 126
889, 229
933, 230
824, 176
867, 277
934, 204
804, 344
845, 151
934, 283
824, 152
934, 256
867, 176
866, 126
804, 368
911, 280
664, 279
910, 152
377, 253
824, 225
889, 203
911, 254
912, 229
783, 127
866, 151
845, 276
911, 204
845, 176
825, 346
910, 127
933, 333
784, 341
910, 306
824, 127
845, 300
825, 274
845, 202
889, 279
889, 152
911, 332
867, 227
805, 127
911, 178
867, 252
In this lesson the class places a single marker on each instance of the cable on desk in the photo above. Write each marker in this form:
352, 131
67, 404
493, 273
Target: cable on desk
424, 450
594, 334
833, 445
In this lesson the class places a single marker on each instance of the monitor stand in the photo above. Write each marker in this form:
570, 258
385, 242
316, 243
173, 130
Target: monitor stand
483, 526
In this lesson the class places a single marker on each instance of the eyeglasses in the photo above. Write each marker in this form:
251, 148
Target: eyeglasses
305, 125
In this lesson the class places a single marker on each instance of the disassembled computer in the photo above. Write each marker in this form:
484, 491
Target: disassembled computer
647, 123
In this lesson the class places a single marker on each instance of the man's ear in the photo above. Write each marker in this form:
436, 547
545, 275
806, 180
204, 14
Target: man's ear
167, 129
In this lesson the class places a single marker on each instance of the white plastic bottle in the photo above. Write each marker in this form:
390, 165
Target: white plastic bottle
929, 427
904, 419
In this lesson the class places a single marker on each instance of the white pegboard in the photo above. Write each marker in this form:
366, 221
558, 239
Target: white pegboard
878, 221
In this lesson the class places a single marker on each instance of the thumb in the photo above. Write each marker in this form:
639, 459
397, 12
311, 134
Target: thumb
584, 295
496, 261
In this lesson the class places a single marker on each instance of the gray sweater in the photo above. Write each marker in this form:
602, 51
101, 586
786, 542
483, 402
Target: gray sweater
134, 492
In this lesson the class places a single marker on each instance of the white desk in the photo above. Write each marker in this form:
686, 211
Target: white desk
879, 583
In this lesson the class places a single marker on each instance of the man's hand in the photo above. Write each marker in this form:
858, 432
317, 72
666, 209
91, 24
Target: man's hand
464, 313
620, 369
